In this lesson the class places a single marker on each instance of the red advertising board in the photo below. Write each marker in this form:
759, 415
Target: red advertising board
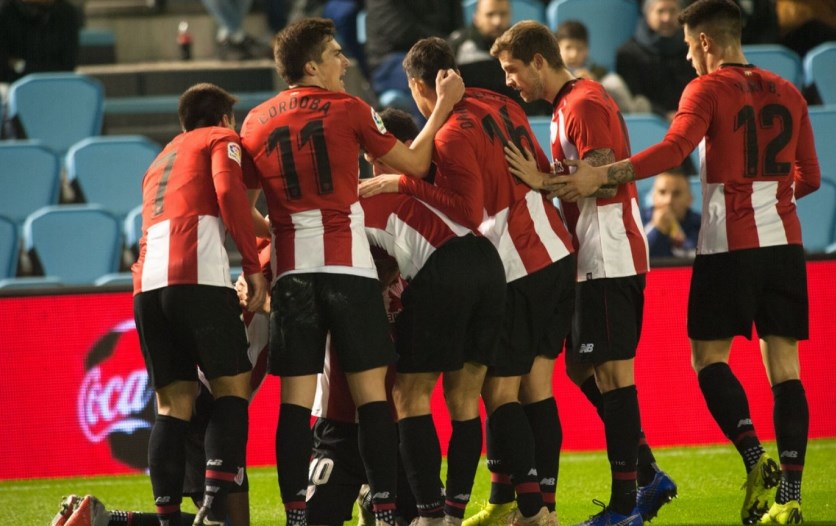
75, 388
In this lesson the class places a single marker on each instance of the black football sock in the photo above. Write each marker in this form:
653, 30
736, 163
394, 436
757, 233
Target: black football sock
590, 389
727, 403
646, 467
502, 491
792, 421
139, 518
548, 439
463, 455
293, 451
621, 427
421, 456
226, 448
377, 437
167, 466
516, 445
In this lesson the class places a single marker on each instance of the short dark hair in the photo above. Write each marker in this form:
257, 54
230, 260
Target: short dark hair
718, 18
526, 38
204, 105
399, 123
572, 29
426, 58
299, 43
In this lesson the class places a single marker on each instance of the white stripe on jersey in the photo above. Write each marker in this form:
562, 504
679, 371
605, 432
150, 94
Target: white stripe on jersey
360, 250
495, 229
212, 267
155, 266
551, 241
309, 239
770, 226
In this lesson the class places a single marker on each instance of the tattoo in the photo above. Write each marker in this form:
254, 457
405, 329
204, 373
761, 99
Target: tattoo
621, 172
600, 157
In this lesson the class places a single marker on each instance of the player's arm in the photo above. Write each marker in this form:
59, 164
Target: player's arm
601, 157
415, 159
806, 170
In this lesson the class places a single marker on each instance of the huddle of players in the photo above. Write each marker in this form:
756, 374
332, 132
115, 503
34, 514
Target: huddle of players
496, 283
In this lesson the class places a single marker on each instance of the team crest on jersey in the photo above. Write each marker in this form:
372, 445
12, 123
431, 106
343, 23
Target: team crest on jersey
233, 151
378, 121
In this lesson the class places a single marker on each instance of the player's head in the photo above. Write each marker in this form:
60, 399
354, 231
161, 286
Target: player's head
492, 17
526, 52
672, 190
308, 50
205, 105
660, 16
573, 41
711, 28
400, 124
421, 64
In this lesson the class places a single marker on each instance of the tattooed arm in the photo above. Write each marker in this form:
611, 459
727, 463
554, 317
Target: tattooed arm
600, 157
588, 179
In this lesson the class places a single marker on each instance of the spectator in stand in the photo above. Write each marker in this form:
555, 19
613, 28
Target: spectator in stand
671, 226
651, 61
573, 39
36, 36
471, 46
232, 42
392, 27
344, 14
804, 24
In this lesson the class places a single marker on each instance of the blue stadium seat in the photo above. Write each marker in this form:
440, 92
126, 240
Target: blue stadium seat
778, 59
115, 278
109, 170
58, 109
76, 243
696, 193
361, 26
647, 129
520, 10
820, 69
9, 247
823, 120
29, 178
610, 23
30, 282
817, 212
133, 227
541, 126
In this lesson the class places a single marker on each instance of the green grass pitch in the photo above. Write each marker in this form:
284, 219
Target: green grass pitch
709, 480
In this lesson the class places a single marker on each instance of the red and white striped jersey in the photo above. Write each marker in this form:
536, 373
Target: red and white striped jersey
757, 155
407, 229
474, 187
608, 232
305, 143
191, 194
333, 398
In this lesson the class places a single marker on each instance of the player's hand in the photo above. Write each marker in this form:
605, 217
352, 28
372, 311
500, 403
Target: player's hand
585, 181
380, 184
523, 165
256, 291
241, 289
450, 88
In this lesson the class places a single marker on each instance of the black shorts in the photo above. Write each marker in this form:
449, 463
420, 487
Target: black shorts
608, 320
767, 286
538, 317
306, 307
336, 472
452, 309
183, 326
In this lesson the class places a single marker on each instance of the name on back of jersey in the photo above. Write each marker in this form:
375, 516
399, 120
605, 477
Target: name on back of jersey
305, 102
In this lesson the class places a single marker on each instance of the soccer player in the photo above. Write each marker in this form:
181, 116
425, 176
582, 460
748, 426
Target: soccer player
758, 157
305, 143
186, 311
611, 248
474, 188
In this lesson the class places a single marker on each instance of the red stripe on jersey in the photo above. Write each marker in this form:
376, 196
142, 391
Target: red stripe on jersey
182, 264
337, 240
534, 256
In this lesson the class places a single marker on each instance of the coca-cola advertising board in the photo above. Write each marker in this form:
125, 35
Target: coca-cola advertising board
77, 402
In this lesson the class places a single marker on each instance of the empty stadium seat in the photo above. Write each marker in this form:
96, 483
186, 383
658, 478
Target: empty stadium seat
610, 23
823, 120
520, 10
9, 247
817, 212
115, 278
75, 243
58, 109
778, 59
29, 282
29, 178
133, 228
820, 69
647, 129
541, 126
109, 170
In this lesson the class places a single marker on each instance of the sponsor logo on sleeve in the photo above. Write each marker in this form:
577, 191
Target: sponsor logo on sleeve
233, 151
378, 121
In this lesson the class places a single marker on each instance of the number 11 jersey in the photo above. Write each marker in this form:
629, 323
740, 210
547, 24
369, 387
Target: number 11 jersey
305, 143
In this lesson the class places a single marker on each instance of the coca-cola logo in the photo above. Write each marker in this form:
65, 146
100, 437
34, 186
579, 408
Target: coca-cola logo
114, 401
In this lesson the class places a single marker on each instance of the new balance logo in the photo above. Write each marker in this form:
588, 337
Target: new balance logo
744, 422
214, 462
586, 348
462, 496
551, 481
789, 454
381, 495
